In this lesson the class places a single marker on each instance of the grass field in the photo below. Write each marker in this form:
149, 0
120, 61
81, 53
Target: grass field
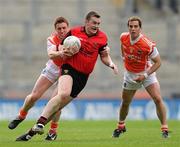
95, 134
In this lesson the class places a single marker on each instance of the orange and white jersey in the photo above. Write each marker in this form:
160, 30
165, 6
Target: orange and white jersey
52, 71
53, 42
137, 53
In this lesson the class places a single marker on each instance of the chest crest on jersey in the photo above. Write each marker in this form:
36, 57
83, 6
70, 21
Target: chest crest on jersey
66, 71
139, 52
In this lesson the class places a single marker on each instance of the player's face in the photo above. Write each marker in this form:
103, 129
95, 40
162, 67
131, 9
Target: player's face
134, 29
92, 25
62, 29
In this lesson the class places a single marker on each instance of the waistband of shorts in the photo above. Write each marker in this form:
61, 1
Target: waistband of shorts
67, 66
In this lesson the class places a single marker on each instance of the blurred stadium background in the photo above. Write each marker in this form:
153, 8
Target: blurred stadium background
25, 25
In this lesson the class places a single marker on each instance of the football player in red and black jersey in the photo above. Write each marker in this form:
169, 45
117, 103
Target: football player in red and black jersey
75, 70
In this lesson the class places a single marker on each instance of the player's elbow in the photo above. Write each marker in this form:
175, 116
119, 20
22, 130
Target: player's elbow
51, 56
158, 64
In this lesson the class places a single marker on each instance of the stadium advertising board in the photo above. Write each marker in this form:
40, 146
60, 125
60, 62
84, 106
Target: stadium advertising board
95, 109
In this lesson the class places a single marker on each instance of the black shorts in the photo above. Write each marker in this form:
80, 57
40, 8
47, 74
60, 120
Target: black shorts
79, 79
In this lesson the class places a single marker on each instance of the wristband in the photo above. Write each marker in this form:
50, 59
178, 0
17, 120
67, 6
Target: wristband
145, 75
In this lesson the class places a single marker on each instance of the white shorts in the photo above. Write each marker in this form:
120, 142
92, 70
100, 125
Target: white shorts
130, 84
51, 71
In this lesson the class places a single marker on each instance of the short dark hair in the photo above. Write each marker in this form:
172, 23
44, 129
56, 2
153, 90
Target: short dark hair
135, 18
92, 14
60, 20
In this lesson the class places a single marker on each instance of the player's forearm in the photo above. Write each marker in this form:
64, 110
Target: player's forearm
106, 60
54, 54
153, 68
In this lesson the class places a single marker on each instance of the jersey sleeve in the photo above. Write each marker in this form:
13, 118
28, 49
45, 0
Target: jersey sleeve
123, 36
104, 42
50, 45
154, 53
120, 38
102, 48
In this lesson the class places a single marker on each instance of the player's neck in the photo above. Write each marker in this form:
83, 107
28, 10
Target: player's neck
135, 39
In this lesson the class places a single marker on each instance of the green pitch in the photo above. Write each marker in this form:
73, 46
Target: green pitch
95, 134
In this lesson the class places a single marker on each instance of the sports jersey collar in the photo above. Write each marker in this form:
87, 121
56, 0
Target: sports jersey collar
136, 40
83, 30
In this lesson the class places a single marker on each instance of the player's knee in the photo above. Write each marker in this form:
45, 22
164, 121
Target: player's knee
64, 94
157, 100
34, 97
58, 112
125, 103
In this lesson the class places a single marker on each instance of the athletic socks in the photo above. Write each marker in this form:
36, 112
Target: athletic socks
164, 127
121, 125
22, 114
42, 120
53, 127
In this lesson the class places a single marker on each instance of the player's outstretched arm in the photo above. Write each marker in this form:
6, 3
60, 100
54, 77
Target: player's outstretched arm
106, 59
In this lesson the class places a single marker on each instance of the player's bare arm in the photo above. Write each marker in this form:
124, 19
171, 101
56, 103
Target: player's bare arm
156, 64
106, 59
61, 53
53, 53
153, 68
122, 52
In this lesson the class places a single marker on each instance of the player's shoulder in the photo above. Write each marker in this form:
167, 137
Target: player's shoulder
102, 34
124, 36
76, 28
53, 38
147, 41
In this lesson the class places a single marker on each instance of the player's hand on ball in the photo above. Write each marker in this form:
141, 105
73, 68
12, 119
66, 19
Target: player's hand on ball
64, 53
67, 51
74, 50
72, 44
